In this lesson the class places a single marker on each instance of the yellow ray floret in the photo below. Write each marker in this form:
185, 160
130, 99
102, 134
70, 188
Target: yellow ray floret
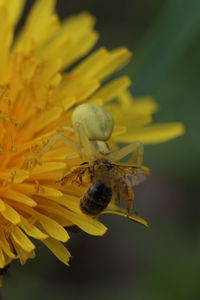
39, 142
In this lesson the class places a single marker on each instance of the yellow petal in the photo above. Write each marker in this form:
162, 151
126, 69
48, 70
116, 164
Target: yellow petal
77, 23
91, 64
19, 197
22, 240
72, 87
68, 102
137, 105
144, 104
5, 245
58, 250
48, 117
38, 189
35, 22
102, 63
113, 89
81, 47
126, 100
2, 259
69, 46
123, 213
53, 176
116, 60
22, 254
14, 176
80, 24
132, 120
48, 167
74, 214
39, 139
49, 70
10, 214
32, 230
15, 8
118, 130
88, 224
38, 21
151, 134
2, 205
20, 176
49, 192
6, 36
54, 229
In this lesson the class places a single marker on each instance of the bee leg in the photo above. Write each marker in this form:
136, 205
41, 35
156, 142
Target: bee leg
129, 196
75, 176
137, 150
79, 179
117, 192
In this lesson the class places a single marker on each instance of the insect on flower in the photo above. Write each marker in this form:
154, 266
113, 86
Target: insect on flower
109, 180
45, 76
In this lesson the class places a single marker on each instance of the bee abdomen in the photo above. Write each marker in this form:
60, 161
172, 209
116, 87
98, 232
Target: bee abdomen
96, 199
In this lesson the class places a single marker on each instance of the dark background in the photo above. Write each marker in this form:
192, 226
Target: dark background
132, 262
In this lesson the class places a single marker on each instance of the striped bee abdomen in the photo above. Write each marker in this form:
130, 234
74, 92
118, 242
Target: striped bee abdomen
96, 199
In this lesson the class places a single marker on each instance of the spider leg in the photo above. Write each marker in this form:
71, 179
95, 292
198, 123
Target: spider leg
70, 156
65, 128
136, 148
117, 192
53, 140
128, 195
29, 163
58, 137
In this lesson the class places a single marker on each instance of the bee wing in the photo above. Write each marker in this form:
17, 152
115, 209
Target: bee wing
135, 178
132, 175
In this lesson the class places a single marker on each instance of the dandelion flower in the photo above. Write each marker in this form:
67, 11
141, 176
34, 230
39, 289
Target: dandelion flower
37, 97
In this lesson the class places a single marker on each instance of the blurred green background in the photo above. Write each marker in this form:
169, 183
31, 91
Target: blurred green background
132, 262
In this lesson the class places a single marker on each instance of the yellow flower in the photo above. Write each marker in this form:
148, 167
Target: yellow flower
36, 99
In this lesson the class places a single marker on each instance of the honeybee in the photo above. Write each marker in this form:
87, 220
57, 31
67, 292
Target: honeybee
108, 180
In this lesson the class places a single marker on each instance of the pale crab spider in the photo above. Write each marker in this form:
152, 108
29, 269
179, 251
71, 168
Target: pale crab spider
92, 126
